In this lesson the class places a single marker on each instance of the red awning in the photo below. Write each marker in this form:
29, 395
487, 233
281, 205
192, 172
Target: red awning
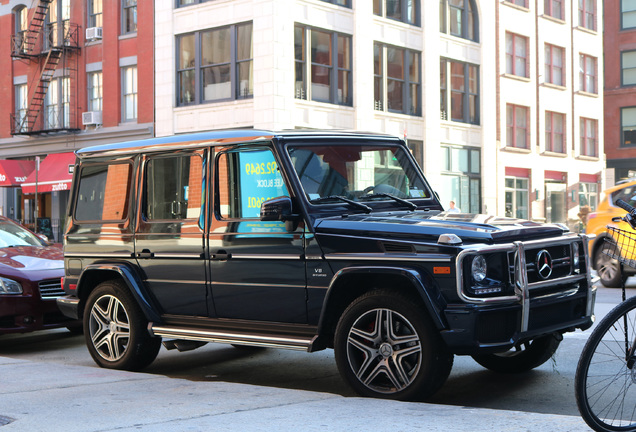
15, 172
55, 174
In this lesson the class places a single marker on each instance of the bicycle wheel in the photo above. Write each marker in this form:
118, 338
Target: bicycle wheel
605, 381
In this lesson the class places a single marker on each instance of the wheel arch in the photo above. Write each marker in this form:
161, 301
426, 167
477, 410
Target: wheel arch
352, 282
94, 274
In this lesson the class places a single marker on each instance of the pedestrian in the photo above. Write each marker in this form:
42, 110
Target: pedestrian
453, 209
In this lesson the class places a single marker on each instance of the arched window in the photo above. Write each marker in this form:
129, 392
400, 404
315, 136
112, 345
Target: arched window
459, 18
21, 24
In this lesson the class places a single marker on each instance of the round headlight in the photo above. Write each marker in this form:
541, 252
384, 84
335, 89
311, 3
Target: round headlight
478, 268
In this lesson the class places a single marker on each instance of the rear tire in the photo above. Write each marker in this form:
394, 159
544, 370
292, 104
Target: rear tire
115, 329
386, 347
608, 270
522, 358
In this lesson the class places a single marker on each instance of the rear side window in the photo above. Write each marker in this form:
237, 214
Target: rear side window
103, 192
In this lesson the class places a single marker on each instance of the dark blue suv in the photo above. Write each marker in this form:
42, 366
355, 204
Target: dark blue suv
309, 240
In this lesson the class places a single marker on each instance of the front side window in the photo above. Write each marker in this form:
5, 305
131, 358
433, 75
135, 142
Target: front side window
128, 16
103, 192
628, 14
407, 11
355, 172
517, 55
587, 14
554, 132
587, 73
215, 65
397, 79
459, 18
459, 91
628, 126
628, 68
173, 188
553, 8
95, 13
129, 93
94, 91
245, 179
554, 61
323, 66
517, 192
517, 128
589, 137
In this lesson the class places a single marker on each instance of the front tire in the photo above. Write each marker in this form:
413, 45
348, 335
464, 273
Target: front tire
115, 329
385, 347
522, 358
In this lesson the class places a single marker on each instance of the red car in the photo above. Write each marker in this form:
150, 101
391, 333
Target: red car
30, 281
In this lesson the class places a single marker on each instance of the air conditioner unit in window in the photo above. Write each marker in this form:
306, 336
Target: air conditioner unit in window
93, 33
92, 118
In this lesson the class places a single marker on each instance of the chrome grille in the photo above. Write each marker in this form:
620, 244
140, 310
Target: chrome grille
51, 288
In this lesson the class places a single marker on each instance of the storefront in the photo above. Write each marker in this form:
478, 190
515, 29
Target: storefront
13, 173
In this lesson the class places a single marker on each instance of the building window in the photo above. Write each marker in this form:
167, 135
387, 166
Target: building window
587, 14
554, 61
628, 14
517, 55
129, 93
628, 68
461, 104
95, 13
588, 195
21, 22
589, 137
587, 73
397, 79
517, 128
345, 3
323, 66
417, 150
407, 11
21, 106
56, 24
57, 104
554, 8
628, 126
517, 203
522, 3
94, 91
461, 178
128, 16
215, 65
459, 18
554, 128
189, 2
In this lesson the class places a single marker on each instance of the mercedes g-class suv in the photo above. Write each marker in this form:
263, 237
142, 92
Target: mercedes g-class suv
309, 240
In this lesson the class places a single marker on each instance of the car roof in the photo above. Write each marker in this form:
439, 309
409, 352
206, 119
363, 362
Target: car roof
620, 185
218, 137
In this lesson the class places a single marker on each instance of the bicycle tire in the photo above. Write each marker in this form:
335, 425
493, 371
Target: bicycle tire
605, 385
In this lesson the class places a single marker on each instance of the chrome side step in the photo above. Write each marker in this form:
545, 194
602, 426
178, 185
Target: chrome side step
287, 342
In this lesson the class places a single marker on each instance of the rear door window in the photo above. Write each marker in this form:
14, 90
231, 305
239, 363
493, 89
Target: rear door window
103, 192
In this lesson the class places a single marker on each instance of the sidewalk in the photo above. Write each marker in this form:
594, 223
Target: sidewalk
39, 397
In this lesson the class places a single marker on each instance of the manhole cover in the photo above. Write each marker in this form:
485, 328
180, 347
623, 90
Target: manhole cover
5, 420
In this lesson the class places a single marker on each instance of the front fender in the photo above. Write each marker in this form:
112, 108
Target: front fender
124, 271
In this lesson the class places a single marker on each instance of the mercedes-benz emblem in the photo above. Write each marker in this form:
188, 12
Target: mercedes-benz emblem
544, 264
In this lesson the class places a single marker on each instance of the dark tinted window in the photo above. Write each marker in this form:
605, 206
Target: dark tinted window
103, 193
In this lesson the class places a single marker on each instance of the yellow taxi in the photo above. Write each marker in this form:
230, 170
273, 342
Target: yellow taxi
607, 268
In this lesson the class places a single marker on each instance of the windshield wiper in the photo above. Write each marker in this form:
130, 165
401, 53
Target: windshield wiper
409, 204
364, 207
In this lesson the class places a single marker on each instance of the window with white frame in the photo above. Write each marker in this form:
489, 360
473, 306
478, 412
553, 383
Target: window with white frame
589, 137
57, 23
57, 104
129, 93
554, 8
628, 14
397, 79
522, 3
517, 55
215, 65
323, 66
345, 3
407, 11
95, 13
554, 61
21, 106
517, 194
587, 14
517, 127
587, 73
94, 80
588, 195
461, 178
628, 68
459, 91
128, 16
628, 126
459, 18
554, 132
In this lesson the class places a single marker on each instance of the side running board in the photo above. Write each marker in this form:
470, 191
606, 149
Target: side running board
298, 343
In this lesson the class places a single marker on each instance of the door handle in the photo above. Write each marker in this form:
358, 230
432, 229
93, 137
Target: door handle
221, 255
145, 254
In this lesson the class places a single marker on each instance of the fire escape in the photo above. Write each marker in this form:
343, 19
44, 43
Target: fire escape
48, 47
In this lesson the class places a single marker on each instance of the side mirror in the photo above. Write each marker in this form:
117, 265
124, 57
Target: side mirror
276, 209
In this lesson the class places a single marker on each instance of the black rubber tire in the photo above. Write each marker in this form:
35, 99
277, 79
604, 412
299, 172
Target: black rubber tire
522, 359
608, 270
415, 351
124, 339
603, 369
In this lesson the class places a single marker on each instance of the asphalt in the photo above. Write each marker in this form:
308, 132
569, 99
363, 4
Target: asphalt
38, 396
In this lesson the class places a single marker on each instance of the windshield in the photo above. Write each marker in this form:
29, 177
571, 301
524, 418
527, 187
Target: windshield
356, 172
14, 235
